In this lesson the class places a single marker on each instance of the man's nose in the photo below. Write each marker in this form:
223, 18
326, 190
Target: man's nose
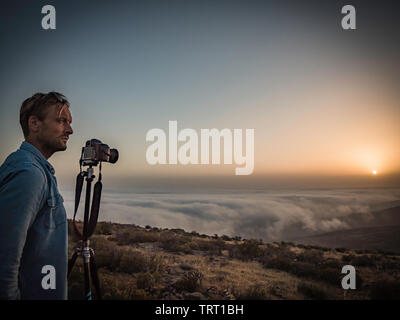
69, 129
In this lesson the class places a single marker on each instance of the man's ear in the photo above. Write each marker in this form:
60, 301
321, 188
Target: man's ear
34, 124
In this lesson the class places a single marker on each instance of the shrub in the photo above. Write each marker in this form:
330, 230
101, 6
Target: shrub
104, 228
175, 243
137, 236
347, 258
273, 252
332, 263
106, 255
145, 280
312, 291
390, 265
178, 231
301, 269
248, 250
156, 264
359, 281
122, 238
111, 287
184, 248
190, 281
185, 266
119, 289
304, 269
311, 256
214, 246
132, 261
139, 294
362, 261
279, 263
255, 292
331, 275
318, 248
385, 290
233, 252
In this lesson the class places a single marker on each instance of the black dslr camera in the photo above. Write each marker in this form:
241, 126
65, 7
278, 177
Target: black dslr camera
94, 151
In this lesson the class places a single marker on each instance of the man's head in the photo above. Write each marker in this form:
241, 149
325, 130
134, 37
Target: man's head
45, 120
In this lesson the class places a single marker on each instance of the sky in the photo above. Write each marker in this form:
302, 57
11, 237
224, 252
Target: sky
323, 101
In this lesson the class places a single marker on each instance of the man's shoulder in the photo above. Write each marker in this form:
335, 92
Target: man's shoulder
22, 162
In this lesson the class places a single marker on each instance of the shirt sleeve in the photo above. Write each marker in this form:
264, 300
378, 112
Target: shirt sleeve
21, 198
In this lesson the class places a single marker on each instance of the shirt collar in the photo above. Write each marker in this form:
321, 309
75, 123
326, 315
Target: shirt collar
31, 148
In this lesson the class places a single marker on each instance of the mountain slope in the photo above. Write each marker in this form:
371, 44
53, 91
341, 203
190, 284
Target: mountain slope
379, 238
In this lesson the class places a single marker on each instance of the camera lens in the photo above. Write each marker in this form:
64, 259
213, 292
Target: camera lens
113, 156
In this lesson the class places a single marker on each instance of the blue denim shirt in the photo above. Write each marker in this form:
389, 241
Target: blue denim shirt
33, 228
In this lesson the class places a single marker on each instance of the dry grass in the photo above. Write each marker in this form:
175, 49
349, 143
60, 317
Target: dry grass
151, 263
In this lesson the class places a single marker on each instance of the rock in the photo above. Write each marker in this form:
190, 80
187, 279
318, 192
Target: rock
195, 296
185, 266
228, 295
174, 271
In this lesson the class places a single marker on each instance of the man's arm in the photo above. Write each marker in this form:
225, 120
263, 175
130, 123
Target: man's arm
21, 197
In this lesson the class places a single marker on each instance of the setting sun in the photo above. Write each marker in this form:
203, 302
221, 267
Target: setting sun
374, 172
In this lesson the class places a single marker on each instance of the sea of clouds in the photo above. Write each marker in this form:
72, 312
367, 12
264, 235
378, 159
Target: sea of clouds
262, 214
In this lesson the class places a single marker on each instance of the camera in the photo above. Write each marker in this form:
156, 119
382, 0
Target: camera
95, 151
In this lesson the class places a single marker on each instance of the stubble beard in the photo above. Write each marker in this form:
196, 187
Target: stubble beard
55, 145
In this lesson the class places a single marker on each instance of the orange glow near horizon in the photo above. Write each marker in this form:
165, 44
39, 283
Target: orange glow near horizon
338, 127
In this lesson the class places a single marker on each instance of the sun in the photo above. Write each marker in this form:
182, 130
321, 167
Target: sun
374, 172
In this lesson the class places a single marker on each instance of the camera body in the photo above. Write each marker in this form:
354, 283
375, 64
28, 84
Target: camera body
95, 151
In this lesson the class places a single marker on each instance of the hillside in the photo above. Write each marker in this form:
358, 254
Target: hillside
379, 230
153, 263
387, 217
379, 238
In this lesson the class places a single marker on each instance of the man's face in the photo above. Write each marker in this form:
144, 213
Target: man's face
55, 129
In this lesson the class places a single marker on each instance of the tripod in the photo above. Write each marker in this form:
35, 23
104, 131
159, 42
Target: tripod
89, 224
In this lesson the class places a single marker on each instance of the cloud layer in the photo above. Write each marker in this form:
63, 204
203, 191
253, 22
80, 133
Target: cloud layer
268, 215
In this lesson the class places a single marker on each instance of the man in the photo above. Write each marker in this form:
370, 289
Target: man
33, 224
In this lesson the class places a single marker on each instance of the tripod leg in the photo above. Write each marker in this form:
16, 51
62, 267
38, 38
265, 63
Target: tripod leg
88, 292
95, 277
71, 262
